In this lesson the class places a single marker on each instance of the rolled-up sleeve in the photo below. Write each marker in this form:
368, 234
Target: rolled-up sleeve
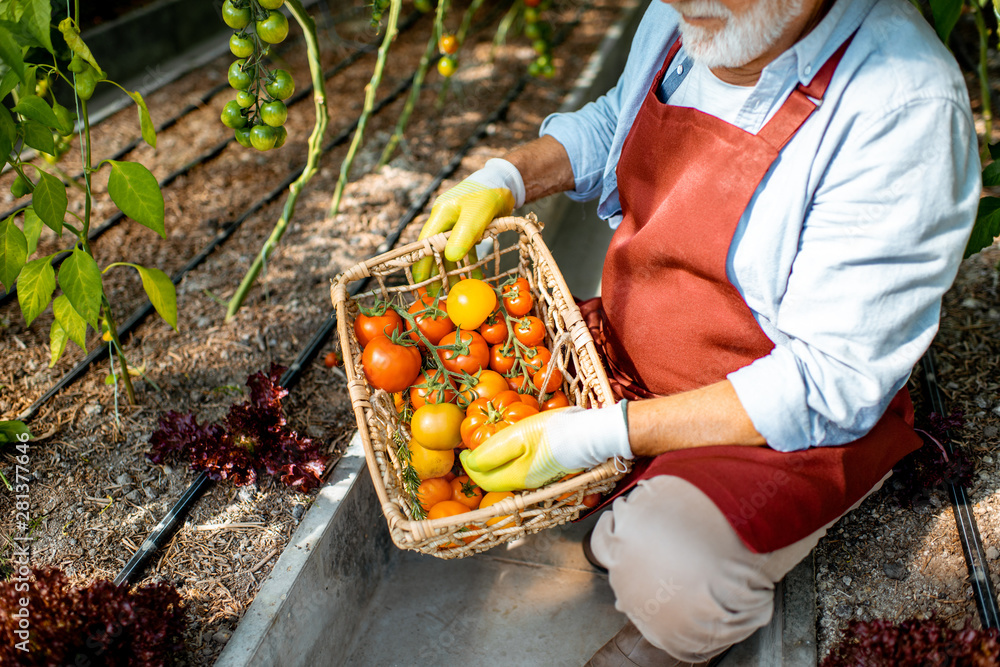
880, 245
587, 136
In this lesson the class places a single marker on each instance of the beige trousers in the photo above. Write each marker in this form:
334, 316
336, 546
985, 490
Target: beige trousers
680, 572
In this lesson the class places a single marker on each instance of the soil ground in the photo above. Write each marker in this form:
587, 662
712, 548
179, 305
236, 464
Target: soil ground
95, 497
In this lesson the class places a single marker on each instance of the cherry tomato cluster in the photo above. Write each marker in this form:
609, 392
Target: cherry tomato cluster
540, 34
448, 46
461, 368
258, 114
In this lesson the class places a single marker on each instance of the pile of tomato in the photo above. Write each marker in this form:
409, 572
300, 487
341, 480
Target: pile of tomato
460, 368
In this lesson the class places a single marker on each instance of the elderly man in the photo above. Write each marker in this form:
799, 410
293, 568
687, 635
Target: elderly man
792, 183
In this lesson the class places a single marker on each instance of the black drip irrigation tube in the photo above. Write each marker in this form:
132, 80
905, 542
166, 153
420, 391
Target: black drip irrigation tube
211, 153
968, 530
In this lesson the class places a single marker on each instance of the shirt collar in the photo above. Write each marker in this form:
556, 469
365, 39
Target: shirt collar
809, 53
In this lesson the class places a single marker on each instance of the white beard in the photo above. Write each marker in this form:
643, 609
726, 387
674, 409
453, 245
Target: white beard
743, 38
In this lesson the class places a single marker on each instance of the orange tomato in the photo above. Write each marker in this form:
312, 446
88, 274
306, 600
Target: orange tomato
555, 379
447, 508
466, 492
556, 400
492, 498
530, 331
530, 400
490, 383
517, 298
433, 491
494, 330
518, 383
431, 386
537, 357
502, 361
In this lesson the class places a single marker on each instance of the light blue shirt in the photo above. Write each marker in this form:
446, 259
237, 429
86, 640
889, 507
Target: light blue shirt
857, 230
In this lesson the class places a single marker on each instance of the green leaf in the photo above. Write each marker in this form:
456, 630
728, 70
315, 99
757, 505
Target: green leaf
135, 190
10, 53
991, 175
36, 18
8, 134
49, 201
80, 280
945, 13
34, 288
34, 107
32, 229
38, 136
161, 292
145, 121
57, 342
9, 430
70, 321
994, 150
986, 228
76, 44
13, 252
7, 82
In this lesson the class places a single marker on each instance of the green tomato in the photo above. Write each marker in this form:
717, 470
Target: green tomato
245, 99
282, 135
422, 5
241, 47
281, 86
243, 137
274, 113
274, 28
20, 187
271, 4
540, 46
263, 137
85, 84
531, 15
447, 66
239, 78
235, 17
232, 115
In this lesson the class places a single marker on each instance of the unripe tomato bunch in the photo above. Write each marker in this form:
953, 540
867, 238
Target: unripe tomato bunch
460, 368
540, 34
258, 114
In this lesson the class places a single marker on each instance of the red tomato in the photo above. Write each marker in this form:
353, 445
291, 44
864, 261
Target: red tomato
519, 383
333, 359
494, 330
528, 399
555, 380
466, 492
537, 357
431, 386
505, 399
390, 366
517, 298
474, 355
518, 411
469, 427
530, 331
502, 361
367, 327
432, 319
556, 400
448, 44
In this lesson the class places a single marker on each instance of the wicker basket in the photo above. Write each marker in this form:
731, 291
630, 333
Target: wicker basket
521, 253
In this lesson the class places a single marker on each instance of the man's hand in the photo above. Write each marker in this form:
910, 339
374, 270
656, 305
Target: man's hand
469, 207
548, 446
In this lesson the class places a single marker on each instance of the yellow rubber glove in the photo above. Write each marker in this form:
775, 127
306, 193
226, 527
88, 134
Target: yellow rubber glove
548, 446
468, 208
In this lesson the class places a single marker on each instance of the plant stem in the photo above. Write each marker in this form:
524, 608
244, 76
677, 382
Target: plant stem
370, 90
418, 82
312, 162
116, 345
984, 81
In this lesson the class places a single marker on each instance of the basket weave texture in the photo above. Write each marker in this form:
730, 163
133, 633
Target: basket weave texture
517, 249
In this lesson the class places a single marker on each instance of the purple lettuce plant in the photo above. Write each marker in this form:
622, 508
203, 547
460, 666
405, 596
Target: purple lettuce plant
254, 436
914, 643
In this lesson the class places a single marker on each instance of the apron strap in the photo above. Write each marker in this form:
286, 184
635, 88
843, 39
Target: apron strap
799, 106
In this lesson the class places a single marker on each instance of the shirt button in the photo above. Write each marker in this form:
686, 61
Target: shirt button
680, 69
808, 69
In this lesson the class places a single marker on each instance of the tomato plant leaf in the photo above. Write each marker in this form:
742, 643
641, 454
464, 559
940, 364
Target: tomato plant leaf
135, 190
986, 227
945, 13
10, 53
70, 320
8, 82
36, 18
13, 252
35, 108
49, 201
32, 229
80, 279
991, 175
57, 342
76, 44
38, 136
9, 430
145, 121
35, 285
161, 292
8, 133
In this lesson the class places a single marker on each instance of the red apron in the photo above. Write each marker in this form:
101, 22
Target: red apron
669, 320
